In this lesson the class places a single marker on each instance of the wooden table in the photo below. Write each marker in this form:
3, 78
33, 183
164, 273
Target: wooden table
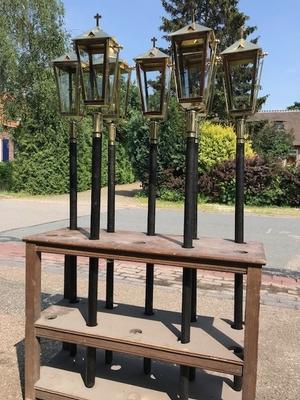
127, 330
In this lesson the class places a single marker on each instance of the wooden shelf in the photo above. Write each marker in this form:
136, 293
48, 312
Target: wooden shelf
124, 380
126, 329
208, 253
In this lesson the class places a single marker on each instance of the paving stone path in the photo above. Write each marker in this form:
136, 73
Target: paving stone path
279, 288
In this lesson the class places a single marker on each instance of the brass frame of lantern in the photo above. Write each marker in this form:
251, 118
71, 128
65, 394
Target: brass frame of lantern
242, 53
92, 43
192, 36
69, 64
113, 111
154, 60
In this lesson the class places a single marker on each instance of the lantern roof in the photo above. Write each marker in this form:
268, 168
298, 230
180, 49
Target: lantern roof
240, 46
152, 54
191, 28
95, 33
69, 57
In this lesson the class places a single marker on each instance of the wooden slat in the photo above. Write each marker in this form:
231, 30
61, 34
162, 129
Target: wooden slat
251, 333
127, 330
61, 380
159, 249
33, 312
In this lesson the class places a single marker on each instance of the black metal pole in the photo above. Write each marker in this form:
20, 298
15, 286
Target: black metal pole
239, 220
195, 232
70, 284
90, 372
111, 209
188, 244
154, 131
239, 230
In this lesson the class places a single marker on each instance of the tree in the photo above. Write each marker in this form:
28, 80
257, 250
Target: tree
295, 106
33, 35
270, 142
224, 17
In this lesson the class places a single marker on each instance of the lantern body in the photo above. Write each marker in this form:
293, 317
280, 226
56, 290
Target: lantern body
154, 75
95, 51
242, 63
119, 101
66, 69
194, 51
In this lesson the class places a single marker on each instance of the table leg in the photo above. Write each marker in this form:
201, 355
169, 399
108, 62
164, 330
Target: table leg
33, 312
251, 333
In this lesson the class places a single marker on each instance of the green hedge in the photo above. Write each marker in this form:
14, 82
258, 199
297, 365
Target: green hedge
265, 184
6, 169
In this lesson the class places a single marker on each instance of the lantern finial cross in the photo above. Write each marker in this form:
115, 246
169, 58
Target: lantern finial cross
97, 18
242, 31
194, 16
154, 40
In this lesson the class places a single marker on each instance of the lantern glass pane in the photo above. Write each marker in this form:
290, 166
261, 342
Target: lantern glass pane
191, 58
123, 92
92, 72
242, 83
67, 87
151, 81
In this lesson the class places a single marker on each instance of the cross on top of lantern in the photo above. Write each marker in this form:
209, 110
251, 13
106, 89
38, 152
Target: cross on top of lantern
98, 54
242, 63
94, 74
97, 71
154, 75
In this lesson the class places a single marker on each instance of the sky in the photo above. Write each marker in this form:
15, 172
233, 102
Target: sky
135, 22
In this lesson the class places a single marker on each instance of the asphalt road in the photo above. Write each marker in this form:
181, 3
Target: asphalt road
280, 235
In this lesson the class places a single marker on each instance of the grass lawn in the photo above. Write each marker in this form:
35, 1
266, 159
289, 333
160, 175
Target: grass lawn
211, 207
142, 201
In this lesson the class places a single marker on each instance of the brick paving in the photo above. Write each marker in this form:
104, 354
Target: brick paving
279, 288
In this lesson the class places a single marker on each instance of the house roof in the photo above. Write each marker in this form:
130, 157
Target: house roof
290, 118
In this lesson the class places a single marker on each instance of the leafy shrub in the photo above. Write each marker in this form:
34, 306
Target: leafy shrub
271, 142
6, 169
264, 184
218, 144
171, 195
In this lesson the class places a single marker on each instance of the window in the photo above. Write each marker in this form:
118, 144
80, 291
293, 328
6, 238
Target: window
279, 125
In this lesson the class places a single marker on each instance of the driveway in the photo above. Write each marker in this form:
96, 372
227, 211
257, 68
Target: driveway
280, 235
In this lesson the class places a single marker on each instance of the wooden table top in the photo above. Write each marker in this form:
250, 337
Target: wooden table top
160, 249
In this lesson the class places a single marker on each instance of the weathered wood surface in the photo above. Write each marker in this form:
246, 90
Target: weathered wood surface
208, 253
33, 312
124, 380
127, 330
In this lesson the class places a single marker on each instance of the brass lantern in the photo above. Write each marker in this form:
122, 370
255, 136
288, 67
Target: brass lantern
242, 63
119, 102
154, 75
66, 69
97, 54
194, 51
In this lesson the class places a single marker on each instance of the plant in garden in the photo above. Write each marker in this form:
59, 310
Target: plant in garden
295, 106
270, 142
218, 144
